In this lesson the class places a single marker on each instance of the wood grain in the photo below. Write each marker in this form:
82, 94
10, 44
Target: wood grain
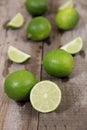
13, 115
72, 113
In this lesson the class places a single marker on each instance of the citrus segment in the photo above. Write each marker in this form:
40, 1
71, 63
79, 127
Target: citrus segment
16, 55
74, 46
16, 22
66, 5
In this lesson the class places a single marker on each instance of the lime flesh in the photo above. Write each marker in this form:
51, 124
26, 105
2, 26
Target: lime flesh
16, 22
74, 46
45, 96
66, 5
16, 55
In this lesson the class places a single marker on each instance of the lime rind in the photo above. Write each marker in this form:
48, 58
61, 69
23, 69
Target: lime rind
38, 29
18, 85
66, 5
45, 96
16, 22
16, 55
74, 46
36, 7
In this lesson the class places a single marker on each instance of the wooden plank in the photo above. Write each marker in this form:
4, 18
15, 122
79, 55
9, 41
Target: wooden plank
14, 116
72, 113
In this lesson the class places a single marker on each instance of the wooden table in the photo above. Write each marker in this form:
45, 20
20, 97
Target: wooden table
72, 113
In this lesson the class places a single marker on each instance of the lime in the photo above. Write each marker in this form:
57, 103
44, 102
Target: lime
16, 22
16, 55
66, 5
67, 19
58, 63
36, 7
45, 96
39, 28
74, 46
19, 84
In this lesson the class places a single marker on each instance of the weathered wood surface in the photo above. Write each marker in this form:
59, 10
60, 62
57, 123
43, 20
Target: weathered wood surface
72, 113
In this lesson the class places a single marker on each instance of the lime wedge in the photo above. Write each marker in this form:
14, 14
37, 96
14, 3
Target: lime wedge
74, 46
16, 55
68, 4
45, 96
16, 22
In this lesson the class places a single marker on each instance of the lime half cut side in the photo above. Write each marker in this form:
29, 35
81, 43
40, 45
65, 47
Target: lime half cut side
45, 96
66, 5
16, 22
16, 55
74, 46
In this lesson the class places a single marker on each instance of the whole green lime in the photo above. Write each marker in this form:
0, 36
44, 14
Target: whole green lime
67, 19
58, 63
19, 84
39, 28
36, 7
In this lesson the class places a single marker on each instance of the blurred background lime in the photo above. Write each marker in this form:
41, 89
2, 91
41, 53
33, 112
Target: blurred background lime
19, 84
58, 63
36, 7
67, 19
66, 5
39, 28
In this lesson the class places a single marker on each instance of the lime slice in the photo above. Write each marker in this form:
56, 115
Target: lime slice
74, 46
16, 55
45, 96
68, 4
16, 22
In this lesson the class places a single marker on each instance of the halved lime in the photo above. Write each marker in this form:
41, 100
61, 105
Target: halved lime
16, 22
74, 46
16, 55
45, 96
68, 4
